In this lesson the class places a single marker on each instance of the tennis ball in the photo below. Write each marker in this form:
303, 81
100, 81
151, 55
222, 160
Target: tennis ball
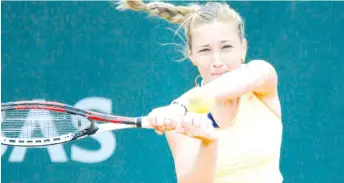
199, 101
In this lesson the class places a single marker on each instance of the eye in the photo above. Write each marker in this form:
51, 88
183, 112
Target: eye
204, 50
227, 46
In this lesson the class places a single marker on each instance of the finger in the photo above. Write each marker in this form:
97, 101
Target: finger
174, 123
152, 121
197, 121
193, 129
186, 125
179, 125
160, 123
168, 123
202, 129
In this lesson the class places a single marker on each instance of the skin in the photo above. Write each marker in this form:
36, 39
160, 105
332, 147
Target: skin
219, 54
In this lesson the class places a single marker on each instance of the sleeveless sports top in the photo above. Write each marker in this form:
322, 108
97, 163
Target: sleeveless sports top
249, 150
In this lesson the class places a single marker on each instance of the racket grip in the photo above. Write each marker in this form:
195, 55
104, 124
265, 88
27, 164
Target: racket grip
144, 122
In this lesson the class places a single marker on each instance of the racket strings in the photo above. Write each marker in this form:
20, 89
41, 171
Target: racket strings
37, 123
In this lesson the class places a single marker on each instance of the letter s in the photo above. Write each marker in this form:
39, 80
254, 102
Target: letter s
107, 140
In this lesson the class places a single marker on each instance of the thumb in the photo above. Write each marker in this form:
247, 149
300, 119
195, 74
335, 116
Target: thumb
158, 132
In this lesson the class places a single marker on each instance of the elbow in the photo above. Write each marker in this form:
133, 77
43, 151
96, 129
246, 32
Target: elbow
265, 77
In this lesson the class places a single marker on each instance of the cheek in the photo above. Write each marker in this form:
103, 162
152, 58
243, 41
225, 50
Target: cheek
203, 69
202, 61
233, 59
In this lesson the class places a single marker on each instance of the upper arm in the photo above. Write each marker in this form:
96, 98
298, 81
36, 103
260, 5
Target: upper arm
184, 151
266, 76
267, 90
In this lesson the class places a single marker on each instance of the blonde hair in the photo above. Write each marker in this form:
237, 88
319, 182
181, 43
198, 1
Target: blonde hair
188, 16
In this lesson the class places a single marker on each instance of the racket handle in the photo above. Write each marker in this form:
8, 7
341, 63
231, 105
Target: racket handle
144, 122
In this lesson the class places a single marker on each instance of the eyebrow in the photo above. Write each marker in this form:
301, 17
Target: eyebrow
224, 41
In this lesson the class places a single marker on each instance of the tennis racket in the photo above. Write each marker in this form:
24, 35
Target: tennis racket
42, 123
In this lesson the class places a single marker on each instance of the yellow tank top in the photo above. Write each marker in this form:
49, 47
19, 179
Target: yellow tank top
249, 151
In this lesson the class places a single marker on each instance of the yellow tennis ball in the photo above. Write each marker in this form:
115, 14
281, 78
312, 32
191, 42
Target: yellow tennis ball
200, 102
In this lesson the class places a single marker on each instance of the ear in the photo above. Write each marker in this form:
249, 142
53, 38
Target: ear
244, 47
191, 58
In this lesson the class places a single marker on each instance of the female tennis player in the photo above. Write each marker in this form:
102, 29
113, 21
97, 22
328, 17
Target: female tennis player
246, 148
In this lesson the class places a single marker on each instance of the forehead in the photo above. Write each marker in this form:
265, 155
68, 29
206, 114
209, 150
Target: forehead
214, 32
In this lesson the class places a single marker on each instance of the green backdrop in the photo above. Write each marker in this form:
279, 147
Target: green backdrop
89, 55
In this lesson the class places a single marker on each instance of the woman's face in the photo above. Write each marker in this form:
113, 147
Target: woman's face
216, 48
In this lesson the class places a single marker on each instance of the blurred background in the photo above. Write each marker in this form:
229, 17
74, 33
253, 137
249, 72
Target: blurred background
91, 56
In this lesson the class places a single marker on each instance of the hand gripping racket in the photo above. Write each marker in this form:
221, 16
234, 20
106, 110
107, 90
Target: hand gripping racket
42, 123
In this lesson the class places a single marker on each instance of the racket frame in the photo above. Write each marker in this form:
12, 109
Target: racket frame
64, 108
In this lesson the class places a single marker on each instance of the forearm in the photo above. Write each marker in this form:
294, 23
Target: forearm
233, 84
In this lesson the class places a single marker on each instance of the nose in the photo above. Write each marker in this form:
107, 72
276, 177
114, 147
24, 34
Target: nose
217, 63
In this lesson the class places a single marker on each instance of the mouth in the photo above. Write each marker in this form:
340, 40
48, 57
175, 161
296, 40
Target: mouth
218, 74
